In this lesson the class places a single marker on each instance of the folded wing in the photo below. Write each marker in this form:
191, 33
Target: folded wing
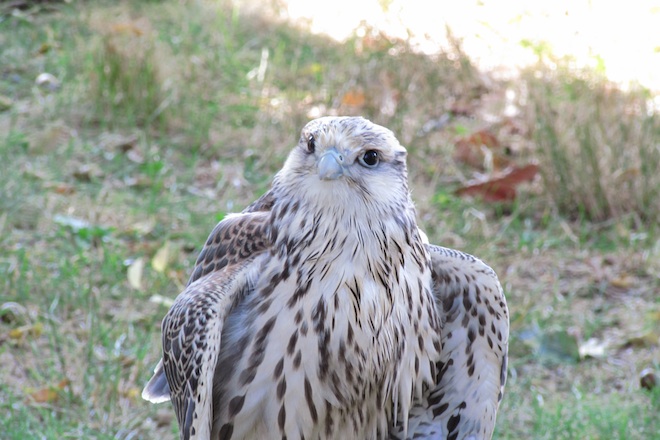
471, 372
192, 329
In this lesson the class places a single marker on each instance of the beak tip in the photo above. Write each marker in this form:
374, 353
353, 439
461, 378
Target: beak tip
330, 165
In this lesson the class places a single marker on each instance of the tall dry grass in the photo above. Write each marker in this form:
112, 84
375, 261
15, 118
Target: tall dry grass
598, 146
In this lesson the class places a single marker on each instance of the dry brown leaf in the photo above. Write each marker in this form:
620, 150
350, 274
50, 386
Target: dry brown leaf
61, 188
502, 188
481, 150
44, 395
353, 98
48, 394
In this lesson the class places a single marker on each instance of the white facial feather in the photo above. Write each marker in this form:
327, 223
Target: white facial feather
369, 190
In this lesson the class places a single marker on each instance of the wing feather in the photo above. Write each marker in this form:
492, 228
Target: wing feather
236, 238
191, 330
471, 372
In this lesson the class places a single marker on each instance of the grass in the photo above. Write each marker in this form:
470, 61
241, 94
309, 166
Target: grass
596, 144
165, 116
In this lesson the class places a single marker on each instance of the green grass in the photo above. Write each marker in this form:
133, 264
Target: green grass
583, 415
169, 115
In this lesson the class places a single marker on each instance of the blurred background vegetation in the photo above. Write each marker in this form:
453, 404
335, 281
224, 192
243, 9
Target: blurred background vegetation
128, 129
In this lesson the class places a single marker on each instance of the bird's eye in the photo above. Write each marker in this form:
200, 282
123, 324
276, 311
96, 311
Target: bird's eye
370, 159
311, 144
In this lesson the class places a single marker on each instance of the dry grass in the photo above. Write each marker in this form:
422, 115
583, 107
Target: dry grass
169, 115
598, 145
127, 85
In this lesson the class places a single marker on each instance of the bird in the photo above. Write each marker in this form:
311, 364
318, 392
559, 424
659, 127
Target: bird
321, 311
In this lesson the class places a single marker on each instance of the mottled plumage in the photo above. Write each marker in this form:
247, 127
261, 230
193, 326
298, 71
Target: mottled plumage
321, 311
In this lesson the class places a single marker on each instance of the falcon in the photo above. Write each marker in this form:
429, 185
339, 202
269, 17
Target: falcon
322, 312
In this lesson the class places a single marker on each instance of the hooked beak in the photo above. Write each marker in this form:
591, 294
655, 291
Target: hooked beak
331, 165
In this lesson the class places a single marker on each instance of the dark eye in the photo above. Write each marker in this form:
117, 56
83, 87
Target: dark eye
311, 144
370, 159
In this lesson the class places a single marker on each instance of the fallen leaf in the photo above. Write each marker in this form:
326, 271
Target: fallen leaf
31, 330
44, 48
16, 333
163, 300
134, 273
502, 188
622, 282
144, 227
485, 138
44, 395
481, 150
353, 98
74, 223
161, 259
48, 394
61, 188
594, 348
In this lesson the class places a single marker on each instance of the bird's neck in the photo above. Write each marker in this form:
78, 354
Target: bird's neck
321, 229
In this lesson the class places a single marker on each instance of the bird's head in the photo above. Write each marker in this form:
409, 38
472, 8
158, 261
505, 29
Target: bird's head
344, 160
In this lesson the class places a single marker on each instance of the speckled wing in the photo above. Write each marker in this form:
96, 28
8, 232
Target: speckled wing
192, 329
471, 372
192, 332
233, 240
